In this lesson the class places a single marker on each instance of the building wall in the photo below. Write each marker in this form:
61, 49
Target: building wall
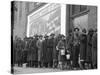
90, 11
20, 20
26, 8
92, 20
20, 16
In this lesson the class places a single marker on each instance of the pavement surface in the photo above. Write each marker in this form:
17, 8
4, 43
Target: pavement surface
23, 70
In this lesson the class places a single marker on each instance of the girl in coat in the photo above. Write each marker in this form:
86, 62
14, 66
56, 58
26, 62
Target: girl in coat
61, 48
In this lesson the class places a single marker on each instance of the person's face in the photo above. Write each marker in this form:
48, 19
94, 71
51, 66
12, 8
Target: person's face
51, 36
63, 38
76, 30
40, 37
46, 38
84, 30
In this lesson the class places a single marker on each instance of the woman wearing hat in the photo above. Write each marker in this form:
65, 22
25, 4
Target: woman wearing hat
61, 48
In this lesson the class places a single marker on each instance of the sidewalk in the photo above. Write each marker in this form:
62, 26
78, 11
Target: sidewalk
21, 70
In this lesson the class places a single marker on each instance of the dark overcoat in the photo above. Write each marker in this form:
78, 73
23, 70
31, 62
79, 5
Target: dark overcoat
61, 45
29, 54
28, 49
50, 46
89, 48
25, 51
14, 52
83, 46
33, 51
69, 45
55, 51
19, 51
45, 52
94, 49
76, 48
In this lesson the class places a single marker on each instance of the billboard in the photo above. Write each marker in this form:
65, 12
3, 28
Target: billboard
46, 20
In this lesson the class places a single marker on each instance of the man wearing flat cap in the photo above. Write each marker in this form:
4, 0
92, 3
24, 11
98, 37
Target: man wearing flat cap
76, 45
50, 47
39, 46
45, 52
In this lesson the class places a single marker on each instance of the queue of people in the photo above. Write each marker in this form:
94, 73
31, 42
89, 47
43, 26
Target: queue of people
77, 50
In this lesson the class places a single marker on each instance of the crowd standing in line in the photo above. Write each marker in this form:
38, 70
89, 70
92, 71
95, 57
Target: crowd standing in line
77, 50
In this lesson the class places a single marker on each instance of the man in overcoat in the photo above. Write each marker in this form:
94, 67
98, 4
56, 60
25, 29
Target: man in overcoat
39, 46
55, 51
19, 52
76, 47
45, 52
69, 49
34, 51
50, 46
30, 52
89, 49
94, 49
83, 48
